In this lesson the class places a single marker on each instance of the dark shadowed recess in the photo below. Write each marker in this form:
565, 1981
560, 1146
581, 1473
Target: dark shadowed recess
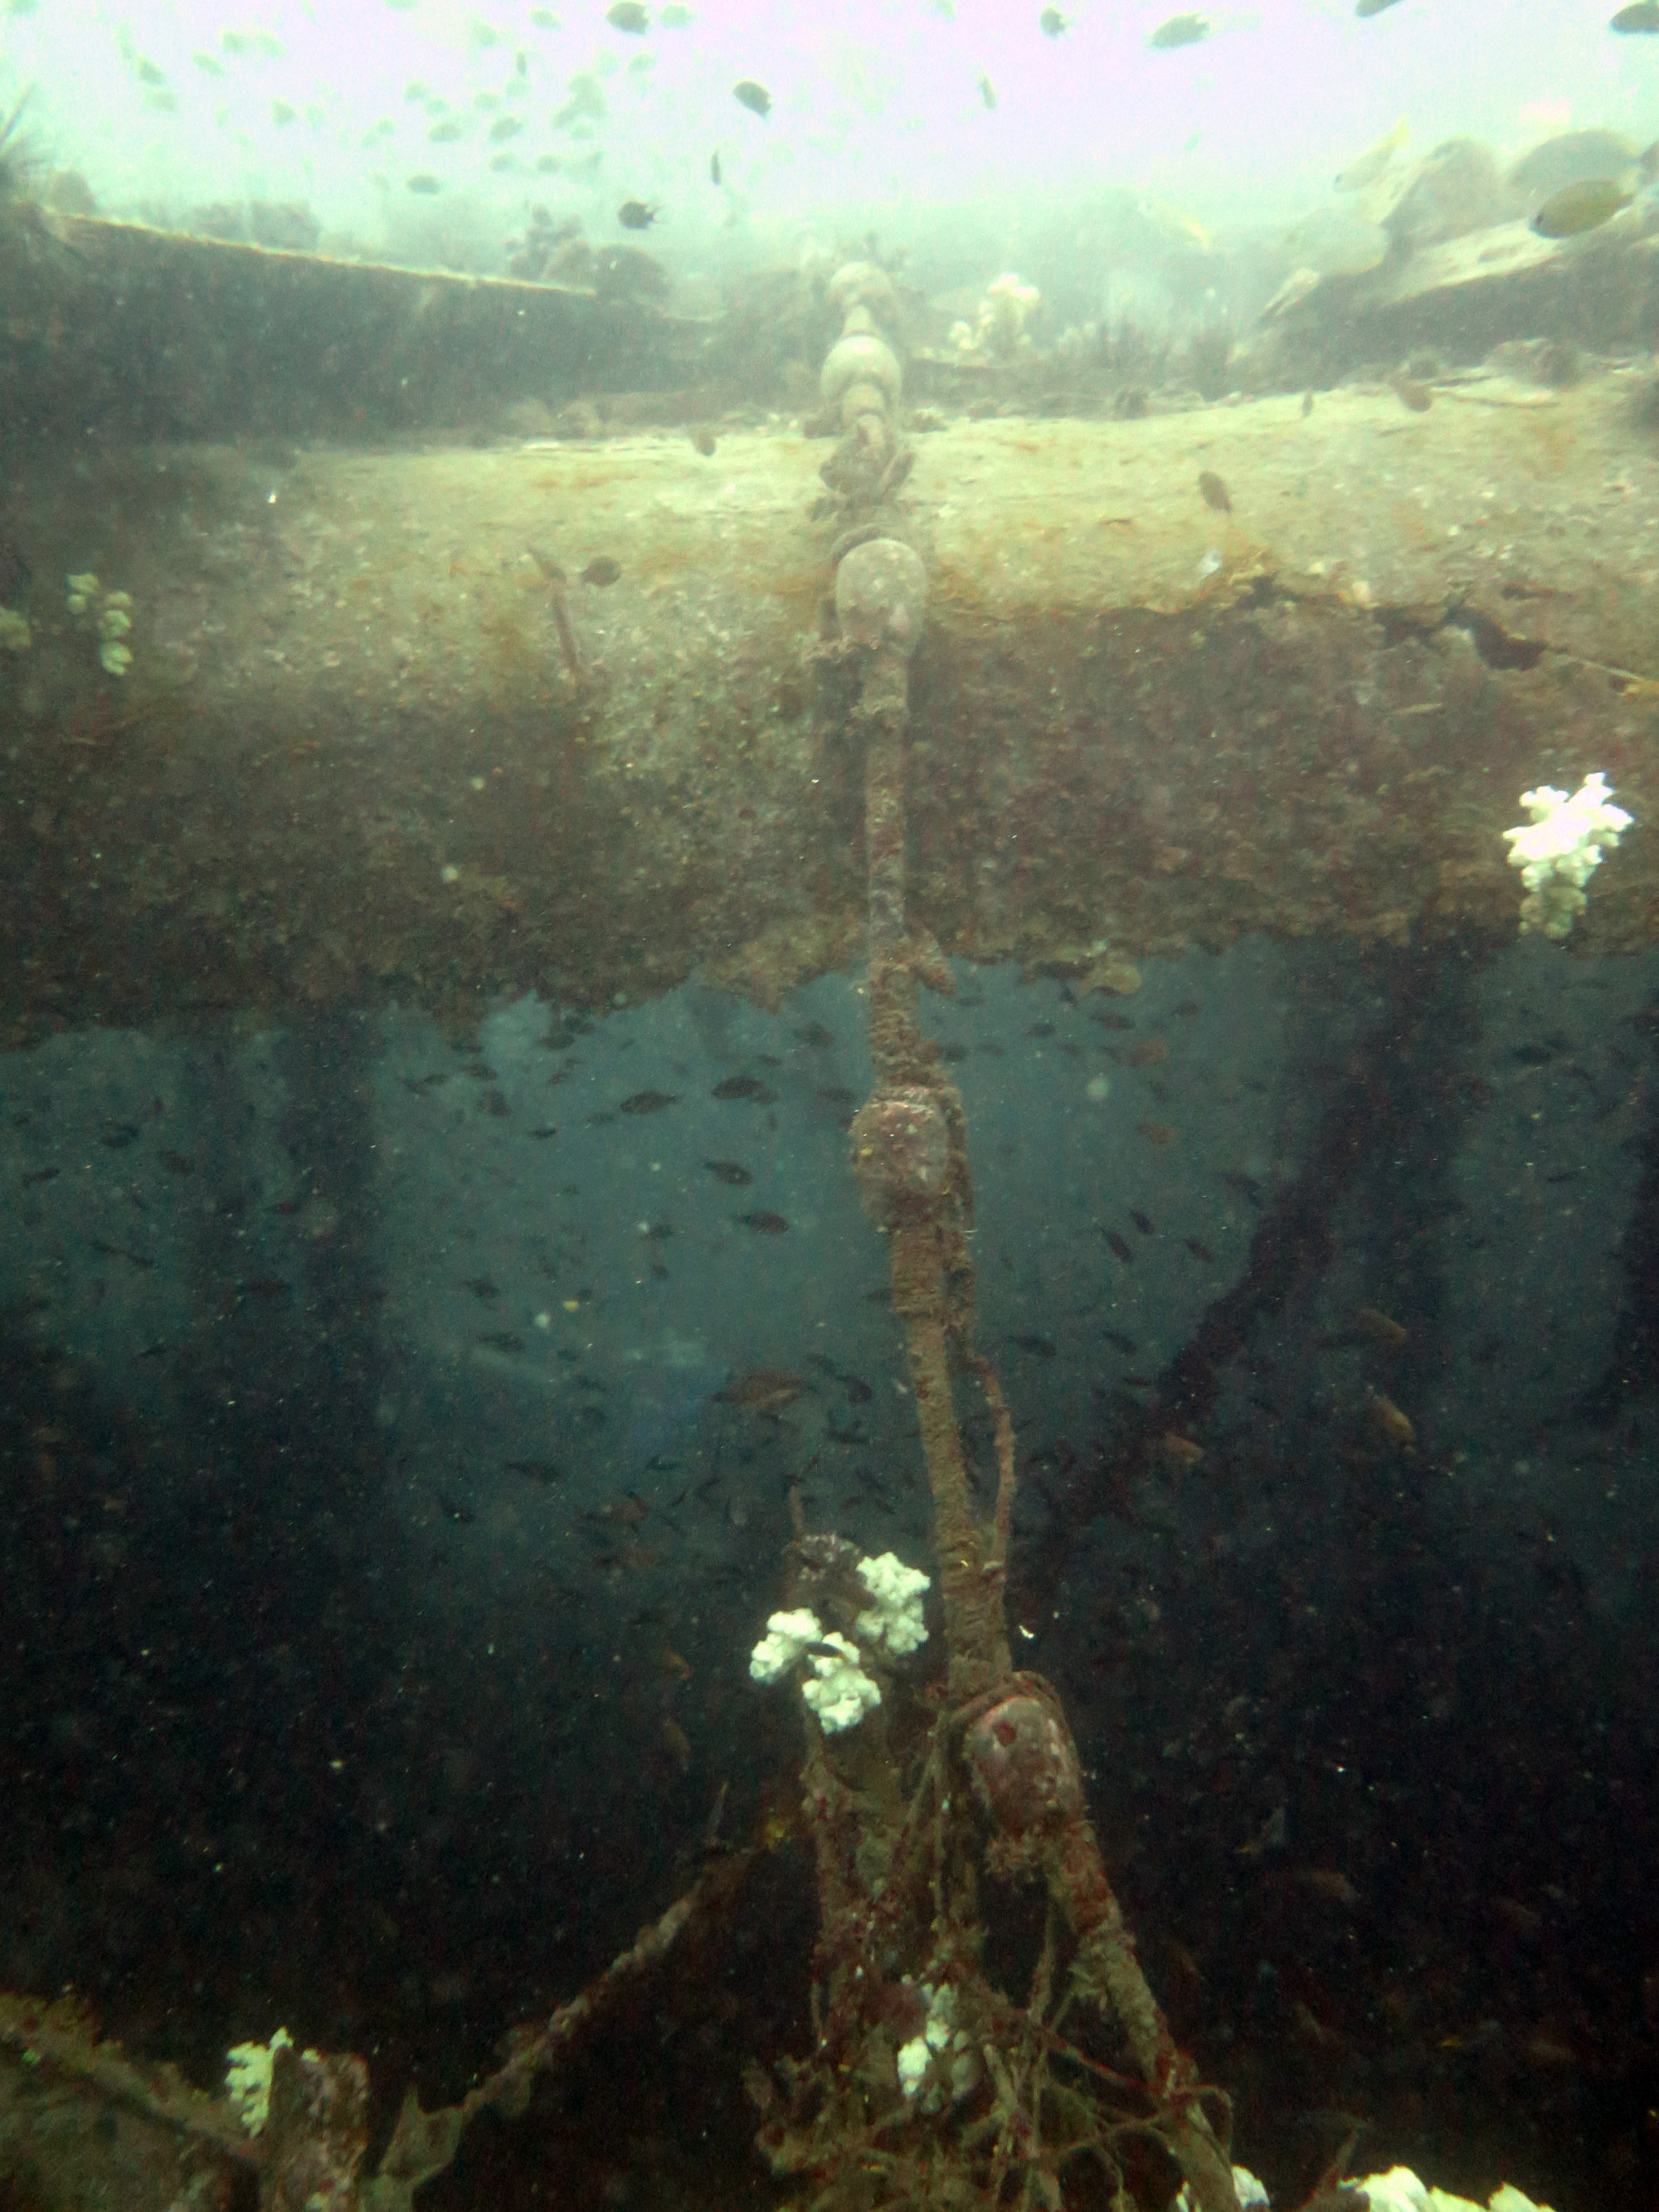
1379, 1776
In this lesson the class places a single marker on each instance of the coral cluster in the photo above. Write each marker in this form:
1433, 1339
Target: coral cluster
1560, 849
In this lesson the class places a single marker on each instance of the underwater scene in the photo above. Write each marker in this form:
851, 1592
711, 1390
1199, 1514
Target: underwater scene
830, 1105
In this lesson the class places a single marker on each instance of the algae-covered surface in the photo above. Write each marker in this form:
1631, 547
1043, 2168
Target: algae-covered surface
434, 725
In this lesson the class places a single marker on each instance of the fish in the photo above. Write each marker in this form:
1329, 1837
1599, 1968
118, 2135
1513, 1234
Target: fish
1120, 1245
815, 1035
629, 15
740, 1086
1639, 19
178, 1164
649, 1102
1040, 1347
1052, 23
1150, 1051
1392, 1425
673, 17
1199, 1251
764, 1391
1178, 1452
1370, 164
714, 158
1578, 207
601, 571
1119, 1342
987, 91
500, 1339
423, 182
1327, 1881
729, 1172
1380, 1328
545, 1471
636, 214
447, 132
121, 1134
1156, 1132
1215, 496
481, 1287
1411, 394
1180, 31
755, 97
281, 113
508, 127
1143, 1222
1366, 8
764, 1223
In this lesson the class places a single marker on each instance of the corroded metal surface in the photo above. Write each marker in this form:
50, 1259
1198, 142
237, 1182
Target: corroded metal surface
354, 759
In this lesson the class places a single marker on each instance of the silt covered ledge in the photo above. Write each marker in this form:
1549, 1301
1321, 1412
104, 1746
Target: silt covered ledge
438, 727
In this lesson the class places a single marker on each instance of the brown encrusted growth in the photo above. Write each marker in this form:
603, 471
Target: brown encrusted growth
927, 2085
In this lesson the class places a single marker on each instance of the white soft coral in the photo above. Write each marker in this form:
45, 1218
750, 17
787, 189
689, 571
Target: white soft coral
1560, 849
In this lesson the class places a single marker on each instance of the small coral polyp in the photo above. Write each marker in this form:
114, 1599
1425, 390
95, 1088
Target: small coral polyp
1560, 849
834, 1684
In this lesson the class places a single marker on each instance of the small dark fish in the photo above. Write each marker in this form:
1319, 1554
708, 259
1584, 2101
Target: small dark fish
1052, 23
635, 215
1180, 31
859, 1392
1143, 1222
1307, 397
41, 1174
601, 571
987, 91
481, 1287
1040, 1347
424, 182
1413, 394
1214, 491
649, 1102
120, 1252
507, 127
740, 1086
704, 440
764, 1224
1639, 19
1199, 1251
447, 132
451, 1509
501, 1340
627, 16
714, 160
1119, 1342
1119, 1245
755, 97
765, 1391
1581, 207
178, 1164
538, 1470
265, 1288
547, 1129
1366, 8
1236, 1179
121, 1135
815, 1035
728, 1171
837, 1094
